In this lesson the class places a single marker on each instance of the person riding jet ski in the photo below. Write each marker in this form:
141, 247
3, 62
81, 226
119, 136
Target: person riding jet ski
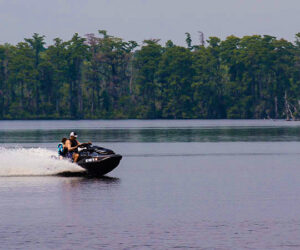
97, 161
62, 149
72, 145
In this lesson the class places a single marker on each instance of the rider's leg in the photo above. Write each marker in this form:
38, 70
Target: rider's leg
75, 157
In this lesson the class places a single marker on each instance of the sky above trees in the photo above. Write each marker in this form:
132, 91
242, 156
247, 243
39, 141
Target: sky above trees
144, 19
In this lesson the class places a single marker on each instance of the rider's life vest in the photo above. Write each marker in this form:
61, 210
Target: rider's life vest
74, 143
60, 148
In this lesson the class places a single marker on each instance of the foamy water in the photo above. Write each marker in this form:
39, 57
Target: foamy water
33, 161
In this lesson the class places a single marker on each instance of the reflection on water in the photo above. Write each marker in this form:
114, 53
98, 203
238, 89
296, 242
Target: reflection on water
157, 135
45, 182
85, 176
150, 131
135, 124
75, 185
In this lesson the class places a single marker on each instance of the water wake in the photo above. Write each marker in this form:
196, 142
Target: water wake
32, 162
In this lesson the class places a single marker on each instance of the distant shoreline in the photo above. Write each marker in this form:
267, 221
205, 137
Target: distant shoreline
158, 119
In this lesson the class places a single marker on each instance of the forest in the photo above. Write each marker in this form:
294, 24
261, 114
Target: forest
100, 76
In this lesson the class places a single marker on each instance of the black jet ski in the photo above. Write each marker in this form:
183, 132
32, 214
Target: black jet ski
96, 160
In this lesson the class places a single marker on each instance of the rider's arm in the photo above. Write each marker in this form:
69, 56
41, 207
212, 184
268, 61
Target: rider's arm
84, 144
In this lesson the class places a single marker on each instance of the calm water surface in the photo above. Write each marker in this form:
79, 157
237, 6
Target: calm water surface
181, 184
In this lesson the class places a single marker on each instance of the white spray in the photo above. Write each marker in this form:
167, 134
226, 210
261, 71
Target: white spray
34, 161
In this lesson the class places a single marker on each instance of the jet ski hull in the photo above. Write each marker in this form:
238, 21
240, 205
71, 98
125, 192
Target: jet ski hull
101, 165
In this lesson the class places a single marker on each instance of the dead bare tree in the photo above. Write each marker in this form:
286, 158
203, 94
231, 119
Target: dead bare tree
201, 37
288, 110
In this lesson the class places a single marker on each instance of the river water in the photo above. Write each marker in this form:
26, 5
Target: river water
181, 184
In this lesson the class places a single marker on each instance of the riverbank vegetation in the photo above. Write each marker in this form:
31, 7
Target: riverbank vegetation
104, 77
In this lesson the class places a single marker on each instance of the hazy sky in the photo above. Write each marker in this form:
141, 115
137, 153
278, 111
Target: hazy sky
144, 19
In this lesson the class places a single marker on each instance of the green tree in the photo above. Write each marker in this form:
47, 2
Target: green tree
76, 50
209, 81
147, 89
37, 45
175, 73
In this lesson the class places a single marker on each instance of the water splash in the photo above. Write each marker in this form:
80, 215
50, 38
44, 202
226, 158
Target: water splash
33, 161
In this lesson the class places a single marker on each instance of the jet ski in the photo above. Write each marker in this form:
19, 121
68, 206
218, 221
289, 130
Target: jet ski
97, 161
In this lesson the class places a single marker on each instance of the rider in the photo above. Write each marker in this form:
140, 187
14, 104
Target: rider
62, 149
72, 145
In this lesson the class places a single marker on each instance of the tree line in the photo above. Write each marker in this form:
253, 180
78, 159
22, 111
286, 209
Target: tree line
104, 77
